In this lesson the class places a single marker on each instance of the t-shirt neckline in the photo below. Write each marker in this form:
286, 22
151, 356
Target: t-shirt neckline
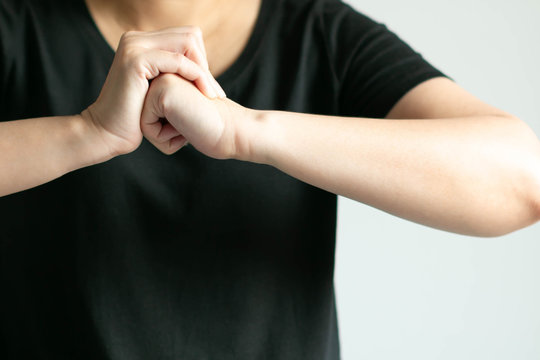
241, 62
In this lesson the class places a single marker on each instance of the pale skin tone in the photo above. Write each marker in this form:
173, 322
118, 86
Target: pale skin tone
471, 168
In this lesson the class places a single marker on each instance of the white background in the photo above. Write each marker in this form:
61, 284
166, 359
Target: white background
405, 291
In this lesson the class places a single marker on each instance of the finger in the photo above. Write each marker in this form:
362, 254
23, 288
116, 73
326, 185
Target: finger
195, 30
199, 35
180, 40
166, 133
220, 90
170, 142
192, 46
164, 137
172, 145
177, 143
157, 130
150, 127
151, 114
160, 61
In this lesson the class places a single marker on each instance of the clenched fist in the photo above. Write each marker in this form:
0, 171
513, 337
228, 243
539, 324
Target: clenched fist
142, 56
176, 112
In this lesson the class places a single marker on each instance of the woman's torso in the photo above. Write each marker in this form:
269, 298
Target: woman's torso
150, 256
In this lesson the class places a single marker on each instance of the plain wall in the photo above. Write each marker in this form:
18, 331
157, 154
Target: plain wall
405, 291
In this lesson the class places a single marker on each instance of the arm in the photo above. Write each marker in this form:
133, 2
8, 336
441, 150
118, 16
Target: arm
35, 151
469, 169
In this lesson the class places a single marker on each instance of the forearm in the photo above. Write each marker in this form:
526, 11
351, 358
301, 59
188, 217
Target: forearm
35, 151
471, 175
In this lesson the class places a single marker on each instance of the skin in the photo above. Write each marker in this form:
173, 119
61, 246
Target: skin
225, 25
34, 151
471, 169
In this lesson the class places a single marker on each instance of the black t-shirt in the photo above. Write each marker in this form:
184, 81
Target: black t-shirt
150, 256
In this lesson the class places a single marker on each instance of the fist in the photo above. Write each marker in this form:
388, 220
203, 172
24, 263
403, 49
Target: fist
175, 112
142, 56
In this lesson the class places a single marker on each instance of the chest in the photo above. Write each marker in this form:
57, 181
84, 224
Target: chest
225, 37
61, 70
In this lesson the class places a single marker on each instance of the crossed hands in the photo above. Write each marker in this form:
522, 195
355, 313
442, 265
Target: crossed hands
160, 87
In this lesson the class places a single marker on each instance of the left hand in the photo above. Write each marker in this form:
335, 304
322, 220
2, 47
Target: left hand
175, 112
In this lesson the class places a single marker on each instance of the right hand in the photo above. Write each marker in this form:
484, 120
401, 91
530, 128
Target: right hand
142, 56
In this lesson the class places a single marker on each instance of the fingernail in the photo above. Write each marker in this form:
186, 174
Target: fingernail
212, 92
220, 90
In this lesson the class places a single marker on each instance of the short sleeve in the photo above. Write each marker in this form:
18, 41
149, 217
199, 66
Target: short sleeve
374, 67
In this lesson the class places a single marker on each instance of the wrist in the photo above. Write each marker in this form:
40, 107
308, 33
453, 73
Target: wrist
106, 139
259, 133
91, 139
251, 131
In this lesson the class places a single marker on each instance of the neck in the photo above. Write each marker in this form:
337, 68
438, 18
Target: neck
148, 15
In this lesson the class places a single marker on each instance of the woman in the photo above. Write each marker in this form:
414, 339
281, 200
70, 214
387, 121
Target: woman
193, 256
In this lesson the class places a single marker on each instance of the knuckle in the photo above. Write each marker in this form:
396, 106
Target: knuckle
133, 59
178, 57
128, 37
190, 38
193, 29
168, 150
161, 100
180, 60
197, 31
168, 80
125, 57
136, 62
165, 147
191, 43
126, 47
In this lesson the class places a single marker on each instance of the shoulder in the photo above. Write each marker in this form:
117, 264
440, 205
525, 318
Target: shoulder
337, 21
334, 23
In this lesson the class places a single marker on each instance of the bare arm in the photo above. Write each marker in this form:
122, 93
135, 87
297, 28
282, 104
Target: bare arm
35, 151
446, 160
457, 164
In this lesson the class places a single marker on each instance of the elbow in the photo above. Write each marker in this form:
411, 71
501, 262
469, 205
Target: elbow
532, 194
531, 152
532, 190
517, 184
524, 193
535, 183
535, 194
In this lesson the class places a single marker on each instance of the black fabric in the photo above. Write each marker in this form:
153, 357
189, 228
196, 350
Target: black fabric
150, 256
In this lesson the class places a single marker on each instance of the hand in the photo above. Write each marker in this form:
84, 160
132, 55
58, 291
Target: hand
175, 113
141, 56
